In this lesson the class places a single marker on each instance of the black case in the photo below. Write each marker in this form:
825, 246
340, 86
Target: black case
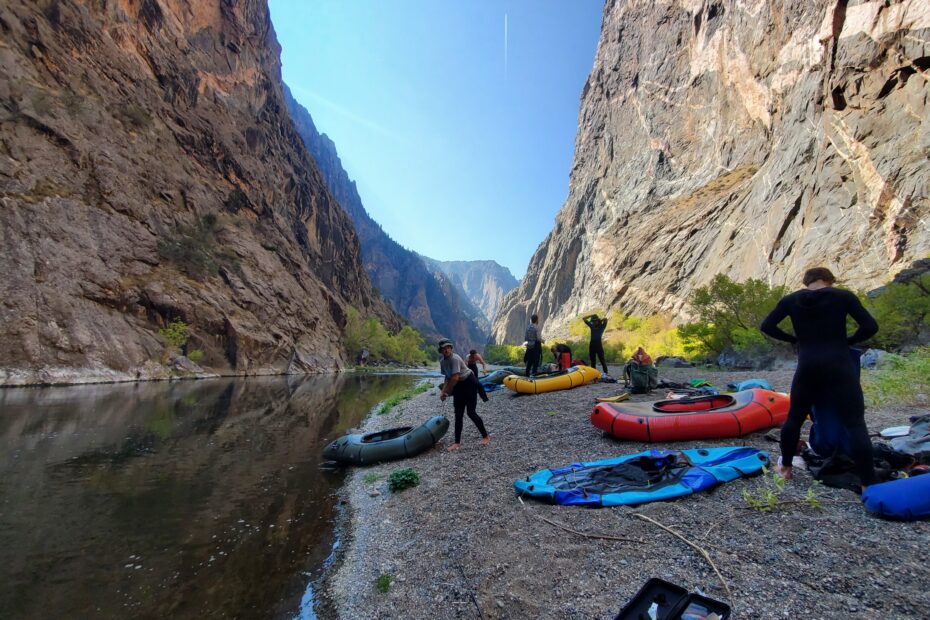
672, 600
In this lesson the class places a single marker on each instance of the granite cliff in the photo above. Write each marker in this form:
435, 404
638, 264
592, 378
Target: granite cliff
150, 172
754, 138
433, 304
485, 283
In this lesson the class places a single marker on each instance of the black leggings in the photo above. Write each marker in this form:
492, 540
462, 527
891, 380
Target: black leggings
822, 386
595, 351
465, 396
532, 358
481, 392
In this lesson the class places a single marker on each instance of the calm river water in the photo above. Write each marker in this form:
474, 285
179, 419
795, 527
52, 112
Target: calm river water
172, 500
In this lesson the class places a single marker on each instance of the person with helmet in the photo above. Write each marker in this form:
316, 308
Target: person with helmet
462, 384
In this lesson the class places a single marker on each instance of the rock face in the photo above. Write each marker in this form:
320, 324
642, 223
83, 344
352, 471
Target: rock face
485, 282
755, 139
150, 172
429, 301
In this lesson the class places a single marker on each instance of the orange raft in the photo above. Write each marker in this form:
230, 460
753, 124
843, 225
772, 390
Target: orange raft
704, 417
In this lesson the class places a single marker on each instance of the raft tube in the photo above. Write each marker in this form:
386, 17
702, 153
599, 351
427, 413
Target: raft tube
572, 377
389, 445
703, 417
649, 476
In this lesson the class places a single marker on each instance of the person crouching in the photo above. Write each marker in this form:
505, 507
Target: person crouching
462, 384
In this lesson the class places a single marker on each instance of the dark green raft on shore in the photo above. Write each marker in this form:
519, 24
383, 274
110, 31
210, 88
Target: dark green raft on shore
387, 445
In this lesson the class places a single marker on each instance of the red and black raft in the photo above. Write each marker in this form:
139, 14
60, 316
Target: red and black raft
703, 417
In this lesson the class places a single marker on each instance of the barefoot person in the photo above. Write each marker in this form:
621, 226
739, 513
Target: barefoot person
533, 354
472, 361
825, 375
462, 384
597, 325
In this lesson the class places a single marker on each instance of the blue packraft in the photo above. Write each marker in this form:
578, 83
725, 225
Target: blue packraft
643, 477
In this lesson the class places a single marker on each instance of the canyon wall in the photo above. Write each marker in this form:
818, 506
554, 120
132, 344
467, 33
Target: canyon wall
149, 171
753, 138
431, 303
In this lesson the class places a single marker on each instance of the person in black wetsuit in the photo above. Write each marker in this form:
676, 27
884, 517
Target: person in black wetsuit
533, 354
825, 374
472, 362
596, 348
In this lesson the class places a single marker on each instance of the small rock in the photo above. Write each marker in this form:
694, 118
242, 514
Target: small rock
374, 493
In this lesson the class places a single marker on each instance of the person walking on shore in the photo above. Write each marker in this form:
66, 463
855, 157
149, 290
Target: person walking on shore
533, 347
597, 326
462, 384
825, 375
472, 362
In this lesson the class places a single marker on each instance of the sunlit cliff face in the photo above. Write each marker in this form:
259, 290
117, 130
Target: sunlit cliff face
753, 139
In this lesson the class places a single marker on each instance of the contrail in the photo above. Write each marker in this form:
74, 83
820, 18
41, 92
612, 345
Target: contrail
505, 45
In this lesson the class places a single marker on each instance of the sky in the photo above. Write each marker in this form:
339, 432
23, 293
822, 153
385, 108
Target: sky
456, 119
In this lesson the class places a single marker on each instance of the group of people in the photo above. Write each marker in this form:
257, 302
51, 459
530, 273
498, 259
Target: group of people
825, 380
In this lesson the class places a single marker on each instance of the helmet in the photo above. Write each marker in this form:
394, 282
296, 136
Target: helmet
445, 342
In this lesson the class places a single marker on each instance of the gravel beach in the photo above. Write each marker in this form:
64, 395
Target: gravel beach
463, 545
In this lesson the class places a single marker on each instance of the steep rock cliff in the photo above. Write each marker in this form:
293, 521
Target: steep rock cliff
432, 304
485, 282
149, 172
755, 139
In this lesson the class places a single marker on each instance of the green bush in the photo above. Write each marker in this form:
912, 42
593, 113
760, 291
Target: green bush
729, 314
405, 347
383, 583
901, 379
195, 356
902, 311
401, 479
175, 334
505, 354
192, 250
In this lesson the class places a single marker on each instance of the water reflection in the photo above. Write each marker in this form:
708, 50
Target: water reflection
188, 499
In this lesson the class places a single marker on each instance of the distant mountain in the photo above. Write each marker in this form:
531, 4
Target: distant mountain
429, 301
485, 282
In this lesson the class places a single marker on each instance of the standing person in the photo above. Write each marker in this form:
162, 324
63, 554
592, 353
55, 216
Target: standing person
462, 384
825, 373
472, 362
596, 348
533, 347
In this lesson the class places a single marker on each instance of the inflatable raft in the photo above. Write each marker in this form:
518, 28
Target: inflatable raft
389, 445
643, 477
572, 377
703, 417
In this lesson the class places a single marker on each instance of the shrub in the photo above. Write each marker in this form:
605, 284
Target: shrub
728, 314
901, 379
383, 583
371, 478
402, 479
405, 347
195, 356
191, 250
175, 334
505, 354
902, 311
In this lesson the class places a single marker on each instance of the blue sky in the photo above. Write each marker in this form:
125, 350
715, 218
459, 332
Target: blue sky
460, 139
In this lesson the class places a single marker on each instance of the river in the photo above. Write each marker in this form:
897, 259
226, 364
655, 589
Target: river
187, 499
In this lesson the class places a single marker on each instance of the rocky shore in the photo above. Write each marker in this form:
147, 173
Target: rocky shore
463, 545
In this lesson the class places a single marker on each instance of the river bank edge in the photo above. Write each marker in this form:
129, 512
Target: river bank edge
462, 545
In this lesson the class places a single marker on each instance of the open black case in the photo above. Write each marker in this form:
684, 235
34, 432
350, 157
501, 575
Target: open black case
672, 602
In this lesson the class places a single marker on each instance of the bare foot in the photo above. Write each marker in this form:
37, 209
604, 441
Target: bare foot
454, 447
785, 472
485, 440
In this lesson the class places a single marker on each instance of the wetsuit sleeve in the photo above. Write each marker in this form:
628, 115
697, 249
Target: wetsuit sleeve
587, 321
868, 327
769, 326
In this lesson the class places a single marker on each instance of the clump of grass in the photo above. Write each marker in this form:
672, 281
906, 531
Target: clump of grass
402, 479
551, 413
901, 379
371, 477
400, 397
383, 583
195, 356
